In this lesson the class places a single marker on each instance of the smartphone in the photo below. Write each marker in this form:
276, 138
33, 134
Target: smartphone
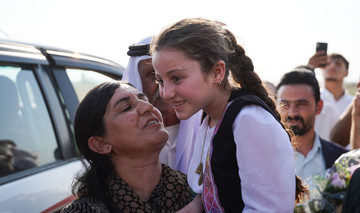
321, 46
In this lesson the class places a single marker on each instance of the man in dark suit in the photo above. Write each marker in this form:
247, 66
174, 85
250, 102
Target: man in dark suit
298, 98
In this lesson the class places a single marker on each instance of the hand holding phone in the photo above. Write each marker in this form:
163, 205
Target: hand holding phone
322, 46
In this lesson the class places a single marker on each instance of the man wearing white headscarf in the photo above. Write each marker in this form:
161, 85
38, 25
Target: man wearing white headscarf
178, 150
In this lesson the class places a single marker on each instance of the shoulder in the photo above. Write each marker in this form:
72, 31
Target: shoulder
329, 108
351, 200
348, 95
356, 175
250, 105
176, 178
254, 123
172, 173
255, 115
332, 146
87, 204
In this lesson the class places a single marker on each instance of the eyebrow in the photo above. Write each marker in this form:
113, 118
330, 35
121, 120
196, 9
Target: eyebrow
141, 95
296, 101
127, 98
171, 72
121, 100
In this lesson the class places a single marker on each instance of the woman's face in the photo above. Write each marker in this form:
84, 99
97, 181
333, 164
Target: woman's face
132, 125
182, 82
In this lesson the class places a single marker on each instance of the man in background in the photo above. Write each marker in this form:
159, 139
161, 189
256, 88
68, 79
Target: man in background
335, 70
298, 98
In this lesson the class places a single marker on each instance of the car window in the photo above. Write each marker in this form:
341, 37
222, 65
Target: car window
27, 137
84, 80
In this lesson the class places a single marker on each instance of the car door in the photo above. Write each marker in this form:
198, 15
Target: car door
39, 94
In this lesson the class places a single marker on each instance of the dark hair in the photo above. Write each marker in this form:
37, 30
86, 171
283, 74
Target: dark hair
301, 77
208, 42
89, 122
338, 56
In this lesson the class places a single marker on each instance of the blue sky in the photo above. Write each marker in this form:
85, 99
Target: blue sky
278, 35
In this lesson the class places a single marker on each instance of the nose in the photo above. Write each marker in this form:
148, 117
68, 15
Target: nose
293, 110
144, 107
331, 64
166, 92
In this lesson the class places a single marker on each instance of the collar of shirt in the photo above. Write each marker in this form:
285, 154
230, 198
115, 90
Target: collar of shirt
313, 163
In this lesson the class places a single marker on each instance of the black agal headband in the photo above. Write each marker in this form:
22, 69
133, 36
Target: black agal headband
139, 50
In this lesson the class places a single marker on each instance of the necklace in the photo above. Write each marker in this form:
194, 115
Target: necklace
200, 169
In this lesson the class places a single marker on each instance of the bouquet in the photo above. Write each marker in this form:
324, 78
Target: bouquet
327, 190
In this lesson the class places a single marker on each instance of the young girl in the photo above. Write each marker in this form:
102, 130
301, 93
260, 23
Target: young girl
243, 159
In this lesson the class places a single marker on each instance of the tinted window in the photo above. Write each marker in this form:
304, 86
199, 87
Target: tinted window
27, 138
85, 80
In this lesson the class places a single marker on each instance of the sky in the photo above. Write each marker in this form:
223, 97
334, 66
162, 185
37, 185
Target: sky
277, 35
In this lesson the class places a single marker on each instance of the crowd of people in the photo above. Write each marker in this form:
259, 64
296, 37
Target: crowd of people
192, 128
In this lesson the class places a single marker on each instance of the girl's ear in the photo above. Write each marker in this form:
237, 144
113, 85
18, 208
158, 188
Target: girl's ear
98, 145
218, 72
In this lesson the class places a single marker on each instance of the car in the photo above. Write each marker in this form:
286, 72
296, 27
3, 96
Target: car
40, 90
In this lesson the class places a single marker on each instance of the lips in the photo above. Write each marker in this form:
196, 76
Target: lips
151, 121
178, 103
294, 123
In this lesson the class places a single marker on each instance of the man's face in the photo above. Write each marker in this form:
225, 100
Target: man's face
151, 90
335, 70
298, 107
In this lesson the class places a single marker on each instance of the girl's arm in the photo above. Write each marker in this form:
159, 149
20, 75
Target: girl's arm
266, 162
194, 206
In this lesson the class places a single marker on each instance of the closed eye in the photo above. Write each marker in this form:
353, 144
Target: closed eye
128, 108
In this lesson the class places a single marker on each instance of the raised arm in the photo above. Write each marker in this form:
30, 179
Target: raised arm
355, 123
317, 60
340, 133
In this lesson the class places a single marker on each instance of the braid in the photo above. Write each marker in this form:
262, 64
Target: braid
242, 70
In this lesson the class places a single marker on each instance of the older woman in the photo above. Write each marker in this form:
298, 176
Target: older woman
121, 135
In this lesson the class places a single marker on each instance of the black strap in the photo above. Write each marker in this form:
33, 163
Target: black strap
139, 50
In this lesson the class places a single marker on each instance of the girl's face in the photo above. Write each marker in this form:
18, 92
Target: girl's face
182, 82
151, 90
